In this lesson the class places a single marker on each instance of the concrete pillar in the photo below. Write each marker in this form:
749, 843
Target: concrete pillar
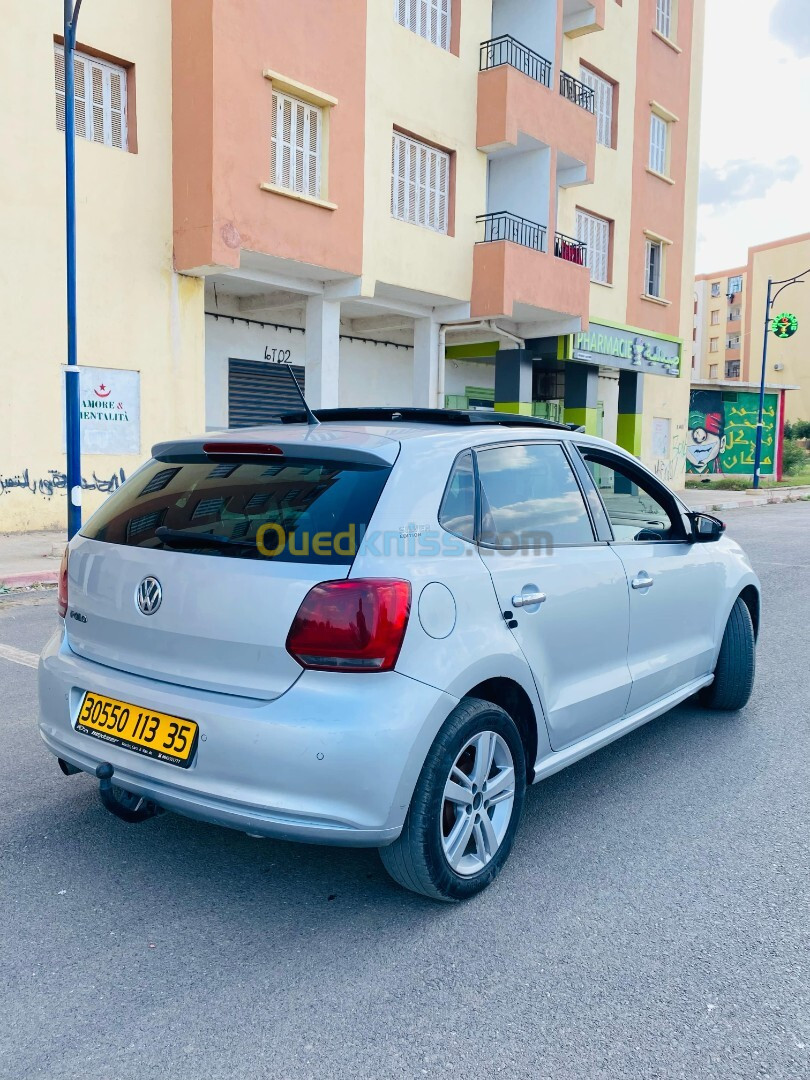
322, 351
513, 381
581, 395
426, 363
631, 407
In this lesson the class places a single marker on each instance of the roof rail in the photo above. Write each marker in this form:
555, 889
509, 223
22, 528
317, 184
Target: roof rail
410, 415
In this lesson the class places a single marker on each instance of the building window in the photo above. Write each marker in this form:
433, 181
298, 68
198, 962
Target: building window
734, 314
295, 145
715, 316
714, 344
733, 341
663, 17
715, 288
420, 181
603, 104
659, 132
429, 19
653, 267
735, 285
101, 98
594, 232
712, 371
732, 369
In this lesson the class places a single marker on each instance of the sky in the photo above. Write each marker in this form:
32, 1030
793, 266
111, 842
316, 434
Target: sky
755, 131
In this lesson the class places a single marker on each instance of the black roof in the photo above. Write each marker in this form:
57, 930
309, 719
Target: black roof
410, 415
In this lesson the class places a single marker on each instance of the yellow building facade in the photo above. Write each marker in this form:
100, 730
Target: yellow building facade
140, 325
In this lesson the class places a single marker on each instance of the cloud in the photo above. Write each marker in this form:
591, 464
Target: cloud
737, 181
790, 24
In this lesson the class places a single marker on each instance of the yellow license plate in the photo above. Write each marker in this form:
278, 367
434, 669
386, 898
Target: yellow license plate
155, 734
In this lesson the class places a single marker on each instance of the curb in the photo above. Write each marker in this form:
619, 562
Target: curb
25, 581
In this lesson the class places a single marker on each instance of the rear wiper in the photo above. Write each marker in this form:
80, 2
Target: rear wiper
179, 538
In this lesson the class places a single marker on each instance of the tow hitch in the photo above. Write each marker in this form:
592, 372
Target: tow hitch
124, 804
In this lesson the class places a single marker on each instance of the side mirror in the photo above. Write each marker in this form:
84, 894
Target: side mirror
706, 527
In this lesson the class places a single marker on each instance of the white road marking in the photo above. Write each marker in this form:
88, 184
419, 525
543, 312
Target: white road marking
19, 656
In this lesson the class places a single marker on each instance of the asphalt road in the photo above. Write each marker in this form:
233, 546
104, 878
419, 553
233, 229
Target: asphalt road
652, 922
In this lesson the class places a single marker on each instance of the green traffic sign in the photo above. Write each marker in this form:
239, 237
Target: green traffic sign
784, 325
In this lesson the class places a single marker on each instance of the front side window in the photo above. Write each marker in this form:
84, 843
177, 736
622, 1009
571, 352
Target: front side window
594, 232
603, 104
635, 512
295, 145
658, 144
716, 317
101, 98
715, 288
652, 277
714, 344
429, 19
530, 498
735, 285
420, 180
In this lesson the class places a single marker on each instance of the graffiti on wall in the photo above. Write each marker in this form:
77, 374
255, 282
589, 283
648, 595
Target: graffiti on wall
722, 432
669, 467
54, 481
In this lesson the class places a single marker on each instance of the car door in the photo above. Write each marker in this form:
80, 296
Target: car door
675, 586
562, 591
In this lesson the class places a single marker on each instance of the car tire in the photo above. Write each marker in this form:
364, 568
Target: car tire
445, 850
736, 663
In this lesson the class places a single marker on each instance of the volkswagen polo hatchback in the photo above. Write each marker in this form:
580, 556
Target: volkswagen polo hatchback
379, 629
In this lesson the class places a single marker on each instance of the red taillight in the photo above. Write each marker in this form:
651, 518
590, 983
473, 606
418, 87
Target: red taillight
351, 625
62, 588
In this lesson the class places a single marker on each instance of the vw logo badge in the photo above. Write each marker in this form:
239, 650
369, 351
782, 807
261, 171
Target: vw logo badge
149, 596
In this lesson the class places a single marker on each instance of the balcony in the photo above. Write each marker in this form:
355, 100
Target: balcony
508, 50
520, 109
565, 247
583, 17
574, 90
515, 277
732, 369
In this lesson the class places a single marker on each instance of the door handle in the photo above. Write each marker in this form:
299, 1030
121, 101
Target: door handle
642, 580
528, 599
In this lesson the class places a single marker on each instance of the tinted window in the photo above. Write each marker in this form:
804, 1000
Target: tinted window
457, 513
297, 509
530, 498
634, 513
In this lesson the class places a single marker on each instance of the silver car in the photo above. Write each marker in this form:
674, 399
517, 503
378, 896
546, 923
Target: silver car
378, 629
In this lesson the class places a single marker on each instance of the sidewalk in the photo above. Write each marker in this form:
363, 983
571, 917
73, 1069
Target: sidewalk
30, 558
708, 499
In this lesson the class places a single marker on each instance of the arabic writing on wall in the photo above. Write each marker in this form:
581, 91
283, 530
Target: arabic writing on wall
55, 481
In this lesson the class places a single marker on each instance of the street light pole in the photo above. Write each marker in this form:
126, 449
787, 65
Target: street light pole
769, 302
72, 389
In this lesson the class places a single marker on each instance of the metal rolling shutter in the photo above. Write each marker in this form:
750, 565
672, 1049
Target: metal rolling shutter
259, 392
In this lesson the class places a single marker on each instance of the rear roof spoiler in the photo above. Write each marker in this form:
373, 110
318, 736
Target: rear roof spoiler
377, 451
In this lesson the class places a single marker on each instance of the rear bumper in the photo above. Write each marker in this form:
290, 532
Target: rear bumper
334, 760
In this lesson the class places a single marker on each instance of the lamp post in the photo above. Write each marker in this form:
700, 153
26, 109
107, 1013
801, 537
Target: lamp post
770, 300
72, 389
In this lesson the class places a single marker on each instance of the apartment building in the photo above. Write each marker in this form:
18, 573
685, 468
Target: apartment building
427, 202
728, 330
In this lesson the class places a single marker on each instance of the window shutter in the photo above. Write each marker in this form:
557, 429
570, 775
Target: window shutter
420, 176
658, 144
295, 145
101, 96
603, 104
430, 19
594, 232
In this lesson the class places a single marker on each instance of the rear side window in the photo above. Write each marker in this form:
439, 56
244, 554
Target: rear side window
457, 513
530, 497
290, 509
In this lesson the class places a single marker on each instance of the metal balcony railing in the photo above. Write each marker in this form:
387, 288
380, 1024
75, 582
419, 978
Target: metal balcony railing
508, 50
577, 92
519, 230
565, 247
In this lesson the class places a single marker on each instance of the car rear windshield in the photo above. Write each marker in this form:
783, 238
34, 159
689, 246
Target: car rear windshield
291, 510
